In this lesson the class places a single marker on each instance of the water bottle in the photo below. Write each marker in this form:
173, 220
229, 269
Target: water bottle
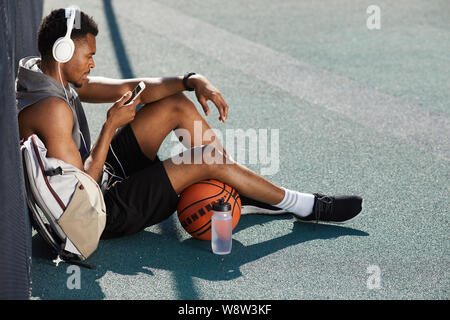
221, 227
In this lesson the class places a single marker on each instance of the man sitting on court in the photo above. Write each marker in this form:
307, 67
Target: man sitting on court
141, 189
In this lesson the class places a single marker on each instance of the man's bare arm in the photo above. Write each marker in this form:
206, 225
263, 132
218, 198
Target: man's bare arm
118, 115
53, 124
100, 89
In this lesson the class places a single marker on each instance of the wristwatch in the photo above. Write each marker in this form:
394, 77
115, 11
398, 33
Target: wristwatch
185, 79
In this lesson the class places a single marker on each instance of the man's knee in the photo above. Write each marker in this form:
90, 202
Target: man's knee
181, 103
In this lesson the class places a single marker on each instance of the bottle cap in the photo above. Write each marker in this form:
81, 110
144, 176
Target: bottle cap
221, 205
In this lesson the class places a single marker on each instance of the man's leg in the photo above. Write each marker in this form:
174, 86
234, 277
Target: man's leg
155, 121
215, 165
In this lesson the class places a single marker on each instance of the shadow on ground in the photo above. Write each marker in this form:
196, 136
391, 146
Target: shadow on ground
145, 251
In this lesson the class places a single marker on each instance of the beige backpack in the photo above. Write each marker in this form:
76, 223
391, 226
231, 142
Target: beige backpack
66, 204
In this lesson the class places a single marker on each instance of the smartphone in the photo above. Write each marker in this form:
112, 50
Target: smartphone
136, 92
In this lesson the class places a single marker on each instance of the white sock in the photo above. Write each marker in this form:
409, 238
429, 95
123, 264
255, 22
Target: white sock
296, 202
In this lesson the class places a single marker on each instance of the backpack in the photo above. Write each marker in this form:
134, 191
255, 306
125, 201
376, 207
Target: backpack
66, 205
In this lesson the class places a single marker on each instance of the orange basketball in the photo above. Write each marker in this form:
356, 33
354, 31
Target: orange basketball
195, 206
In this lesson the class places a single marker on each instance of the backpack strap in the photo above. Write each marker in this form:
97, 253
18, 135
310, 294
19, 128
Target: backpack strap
67, 257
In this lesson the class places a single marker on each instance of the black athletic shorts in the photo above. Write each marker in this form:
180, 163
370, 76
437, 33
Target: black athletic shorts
138, 192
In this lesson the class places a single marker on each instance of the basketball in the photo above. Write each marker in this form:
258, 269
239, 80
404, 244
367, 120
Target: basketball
195, 206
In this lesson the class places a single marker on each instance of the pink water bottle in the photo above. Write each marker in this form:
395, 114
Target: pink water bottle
221, 228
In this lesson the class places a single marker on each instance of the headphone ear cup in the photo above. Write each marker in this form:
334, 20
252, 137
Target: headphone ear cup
63, 49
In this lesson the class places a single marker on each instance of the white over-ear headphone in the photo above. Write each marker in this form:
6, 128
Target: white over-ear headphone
64, 47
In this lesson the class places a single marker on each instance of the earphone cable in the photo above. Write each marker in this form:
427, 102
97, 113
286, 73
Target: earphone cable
62, 83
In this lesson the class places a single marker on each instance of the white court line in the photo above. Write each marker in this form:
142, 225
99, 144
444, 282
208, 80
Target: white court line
381, 112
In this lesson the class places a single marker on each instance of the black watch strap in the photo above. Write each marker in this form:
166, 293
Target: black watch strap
185, 79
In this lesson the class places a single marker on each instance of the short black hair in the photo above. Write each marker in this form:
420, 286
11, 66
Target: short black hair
54, 26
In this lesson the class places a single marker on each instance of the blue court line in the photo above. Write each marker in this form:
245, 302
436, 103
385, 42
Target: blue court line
116, 37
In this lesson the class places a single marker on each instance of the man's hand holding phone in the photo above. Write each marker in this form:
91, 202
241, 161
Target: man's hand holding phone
124, 109
135, 93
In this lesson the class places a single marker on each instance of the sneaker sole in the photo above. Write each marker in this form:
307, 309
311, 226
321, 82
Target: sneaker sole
257, 210
327, 222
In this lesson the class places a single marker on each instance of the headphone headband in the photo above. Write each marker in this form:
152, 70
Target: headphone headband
64, 47
70, 21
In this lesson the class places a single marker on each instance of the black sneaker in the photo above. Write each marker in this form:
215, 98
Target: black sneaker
337, 209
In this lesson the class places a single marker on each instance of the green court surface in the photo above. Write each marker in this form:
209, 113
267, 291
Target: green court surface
357, 111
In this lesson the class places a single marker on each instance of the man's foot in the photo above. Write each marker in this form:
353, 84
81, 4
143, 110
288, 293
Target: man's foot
337, 209
251, 206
